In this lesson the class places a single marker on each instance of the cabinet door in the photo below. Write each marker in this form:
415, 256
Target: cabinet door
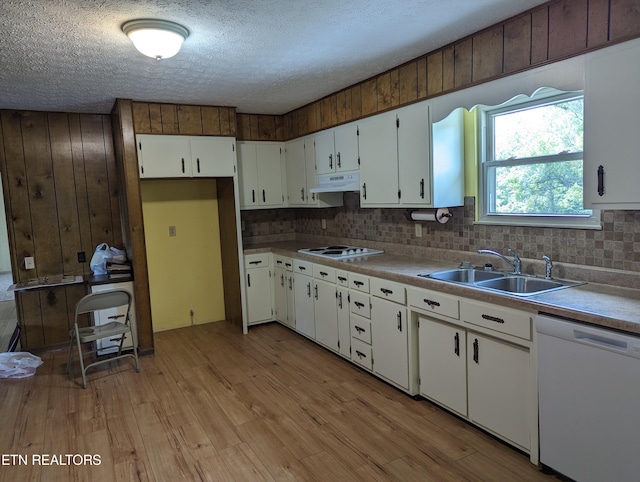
269, 162
389, 341
280, 295
212, 156
414, 148
379, 160
163, 156
326, 314
248, 175
498, 387
310, 168
344, 328
346, 147
296, 172
611, 127
303, 288
443, 365
102, 317
291, 313
258, 284
325, 152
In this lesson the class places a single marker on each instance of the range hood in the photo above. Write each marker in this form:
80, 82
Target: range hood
344, 182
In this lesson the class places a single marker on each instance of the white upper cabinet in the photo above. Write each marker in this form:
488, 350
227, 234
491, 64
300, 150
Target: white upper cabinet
337, 149
163, 156
300, 162
611, 140
346, 143
213, 156
414, 147
406, 161
260, 172
296, 170
379, 161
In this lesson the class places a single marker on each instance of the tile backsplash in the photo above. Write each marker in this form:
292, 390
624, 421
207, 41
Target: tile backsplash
616, 246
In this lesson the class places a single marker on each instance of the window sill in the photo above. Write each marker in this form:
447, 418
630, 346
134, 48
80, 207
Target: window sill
542, 223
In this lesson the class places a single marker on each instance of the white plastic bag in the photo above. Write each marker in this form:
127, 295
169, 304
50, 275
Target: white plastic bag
106, 254
18, 365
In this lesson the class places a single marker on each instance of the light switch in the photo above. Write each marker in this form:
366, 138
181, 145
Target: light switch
172, 230
29, 263
418, 230
324, 224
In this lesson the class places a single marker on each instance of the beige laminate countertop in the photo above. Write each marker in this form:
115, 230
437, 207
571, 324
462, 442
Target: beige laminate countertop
603, 305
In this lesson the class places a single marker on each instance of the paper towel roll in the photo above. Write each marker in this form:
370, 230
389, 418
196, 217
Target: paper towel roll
440, 215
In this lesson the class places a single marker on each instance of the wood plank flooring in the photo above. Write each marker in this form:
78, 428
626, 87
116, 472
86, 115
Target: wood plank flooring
213, 404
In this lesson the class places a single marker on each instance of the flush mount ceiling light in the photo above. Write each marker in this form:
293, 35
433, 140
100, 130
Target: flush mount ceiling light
158, 39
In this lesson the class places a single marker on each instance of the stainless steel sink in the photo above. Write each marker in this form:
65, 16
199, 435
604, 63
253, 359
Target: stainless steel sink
509, 283
464, 275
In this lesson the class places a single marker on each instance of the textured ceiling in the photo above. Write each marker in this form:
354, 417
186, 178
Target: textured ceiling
261, 56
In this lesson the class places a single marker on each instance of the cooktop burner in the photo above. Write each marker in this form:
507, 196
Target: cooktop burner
340, 251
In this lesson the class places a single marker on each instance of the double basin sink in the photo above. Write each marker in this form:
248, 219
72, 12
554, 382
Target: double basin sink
509, 283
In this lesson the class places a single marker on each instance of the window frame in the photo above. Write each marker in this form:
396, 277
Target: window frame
542, 97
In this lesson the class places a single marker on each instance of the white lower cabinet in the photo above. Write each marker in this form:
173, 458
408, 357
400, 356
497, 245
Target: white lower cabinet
325, 309
102, 317
259, 288
283, 291
475, 359
498, 387
443, 363
302, 293
389, 341
344, 328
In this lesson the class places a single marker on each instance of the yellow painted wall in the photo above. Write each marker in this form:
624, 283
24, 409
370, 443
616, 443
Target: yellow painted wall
185, 270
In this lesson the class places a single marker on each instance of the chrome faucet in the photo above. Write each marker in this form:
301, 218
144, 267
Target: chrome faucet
548, 266
516, 263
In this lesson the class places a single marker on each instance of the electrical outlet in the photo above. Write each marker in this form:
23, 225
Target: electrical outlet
324, 224
172, 230
418, 230
242, 226
29, 263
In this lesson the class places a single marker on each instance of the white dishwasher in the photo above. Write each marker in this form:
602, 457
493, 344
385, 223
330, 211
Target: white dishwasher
589, 401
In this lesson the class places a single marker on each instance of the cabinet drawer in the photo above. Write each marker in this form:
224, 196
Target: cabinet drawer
361, 353
325, 273
304, 267
434, 302
283, 262
503, 320
359, 282
388, 290
360, 304
342, 277
257, 260
361, 329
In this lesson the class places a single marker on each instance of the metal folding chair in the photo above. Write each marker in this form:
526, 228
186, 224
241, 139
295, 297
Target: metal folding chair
90, 304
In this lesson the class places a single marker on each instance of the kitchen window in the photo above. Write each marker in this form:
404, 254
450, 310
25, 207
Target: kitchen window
531, 162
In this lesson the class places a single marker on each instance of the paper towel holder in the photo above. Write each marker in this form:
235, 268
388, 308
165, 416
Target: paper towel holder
440, 215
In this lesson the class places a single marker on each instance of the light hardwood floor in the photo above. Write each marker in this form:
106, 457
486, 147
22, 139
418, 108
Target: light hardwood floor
213, 404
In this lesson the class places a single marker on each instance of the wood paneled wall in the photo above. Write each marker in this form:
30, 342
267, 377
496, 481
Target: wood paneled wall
258, 127
548, 33
188, 120
60, 186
